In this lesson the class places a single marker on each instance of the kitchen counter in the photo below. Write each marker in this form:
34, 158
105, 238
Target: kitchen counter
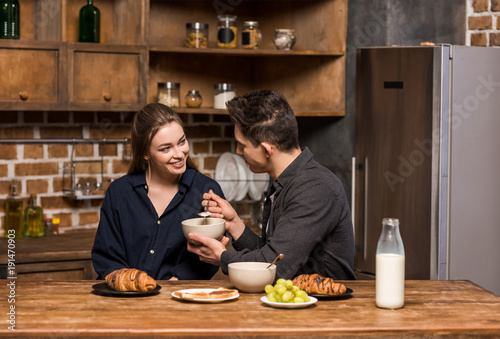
70, 309
64, 256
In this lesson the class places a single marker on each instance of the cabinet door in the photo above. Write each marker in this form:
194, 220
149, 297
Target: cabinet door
107, 78
30, 76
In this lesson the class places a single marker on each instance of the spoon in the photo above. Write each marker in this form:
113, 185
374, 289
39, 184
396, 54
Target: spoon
205, 213
279, 257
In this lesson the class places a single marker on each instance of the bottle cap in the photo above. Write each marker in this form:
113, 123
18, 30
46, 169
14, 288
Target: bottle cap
56, 220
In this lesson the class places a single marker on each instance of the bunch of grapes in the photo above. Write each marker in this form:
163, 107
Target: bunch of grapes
284, 291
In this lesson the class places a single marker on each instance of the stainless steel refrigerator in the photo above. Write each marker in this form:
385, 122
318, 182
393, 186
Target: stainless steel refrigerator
428, 153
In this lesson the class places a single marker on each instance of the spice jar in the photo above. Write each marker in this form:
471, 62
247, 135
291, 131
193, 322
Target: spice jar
284, 39
168, 93
223, 92
251, 36
227, 32
196, 35
193, 99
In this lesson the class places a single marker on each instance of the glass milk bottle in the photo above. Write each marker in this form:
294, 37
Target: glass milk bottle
390, 267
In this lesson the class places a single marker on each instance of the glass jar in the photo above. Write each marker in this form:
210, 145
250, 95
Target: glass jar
251, 36
227, 32
223, 92
196, 35
193, 99
390, 267
168, 94
284, 39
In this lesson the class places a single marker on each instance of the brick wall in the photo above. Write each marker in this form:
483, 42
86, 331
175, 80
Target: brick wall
39, 167
483, 22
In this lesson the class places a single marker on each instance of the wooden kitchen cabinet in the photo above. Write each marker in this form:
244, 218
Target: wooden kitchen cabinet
106, 77
31, 75
142, 43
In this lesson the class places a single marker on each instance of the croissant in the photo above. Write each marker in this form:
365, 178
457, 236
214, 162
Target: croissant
130, 280
316, 284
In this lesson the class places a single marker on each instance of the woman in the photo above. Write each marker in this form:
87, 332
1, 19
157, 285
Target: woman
141, 215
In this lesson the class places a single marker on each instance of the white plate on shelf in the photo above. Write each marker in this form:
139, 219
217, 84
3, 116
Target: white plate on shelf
257, 185
312, 300
231, 176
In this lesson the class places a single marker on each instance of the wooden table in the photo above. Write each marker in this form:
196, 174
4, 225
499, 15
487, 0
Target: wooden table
70, 309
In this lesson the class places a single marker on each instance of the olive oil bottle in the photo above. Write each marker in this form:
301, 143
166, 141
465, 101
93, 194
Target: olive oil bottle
33, 225
13, 212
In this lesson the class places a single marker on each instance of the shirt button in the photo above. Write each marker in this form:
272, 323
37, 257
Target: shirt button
158, 222
152, 251
145, 186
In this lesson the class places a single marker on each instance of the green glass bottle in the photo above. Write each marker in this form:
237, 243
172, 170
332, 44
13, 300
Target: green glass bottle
15, 20
90, 23
9, 19
13, 213
5, 19
33, 225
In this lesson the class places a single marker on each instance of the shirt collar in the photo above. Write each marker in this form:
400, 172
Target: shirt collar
289, 173
139, 179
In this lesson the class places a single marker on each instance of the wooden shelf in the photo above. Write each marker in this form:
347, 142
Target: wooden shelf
142, 43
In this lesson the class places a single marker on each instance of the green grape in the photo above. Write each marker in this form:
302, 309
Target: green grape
280, 281
302, 294
285, 291
279, 288
272, 297
287, 296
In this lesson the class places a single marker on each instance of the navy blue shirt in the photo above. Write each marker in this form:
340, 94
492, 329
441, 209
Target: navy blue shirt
131, 234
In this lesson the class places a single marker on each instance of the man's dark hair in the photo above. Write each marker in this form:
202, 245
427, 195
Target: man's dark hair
265, 116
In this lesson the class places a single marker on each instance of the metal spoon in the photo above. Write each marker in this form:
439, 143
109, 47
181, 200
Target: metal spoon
279, 257
205, 213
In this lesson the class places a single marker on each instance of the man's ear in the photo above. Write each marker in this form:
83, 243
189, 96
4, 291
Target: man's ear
268, 148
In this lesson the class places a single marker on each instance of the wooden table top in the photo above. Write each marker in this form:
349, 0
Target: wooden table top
70, 309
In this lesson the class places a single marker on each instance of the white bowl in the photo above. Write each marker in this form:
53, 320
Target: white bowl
208, 227
251, 277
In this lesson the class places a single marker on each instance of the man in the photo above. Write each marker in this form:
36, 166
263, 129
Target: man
306, 216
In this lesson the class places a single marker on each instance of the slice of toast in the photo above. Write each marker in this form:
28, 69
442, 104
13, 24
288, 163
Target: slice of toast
220, 293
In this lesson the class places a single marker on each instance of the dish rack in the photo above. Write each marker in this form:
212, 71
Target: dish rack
75, 190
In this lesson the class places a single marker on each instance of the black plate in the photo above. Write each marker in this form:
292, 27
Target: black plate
347, 293
104, 289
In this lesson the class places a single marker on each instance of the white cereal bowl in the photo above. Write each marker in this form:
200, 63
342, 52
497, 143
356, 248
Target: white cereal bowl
208, 227
251, 277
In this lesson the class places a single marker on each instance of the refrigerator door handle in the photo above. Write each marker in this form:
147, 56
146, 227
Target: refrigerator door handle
365, 206
353, 196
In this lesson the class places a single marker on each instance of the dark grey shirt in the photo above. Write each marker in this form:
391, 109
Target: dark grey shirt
310, 223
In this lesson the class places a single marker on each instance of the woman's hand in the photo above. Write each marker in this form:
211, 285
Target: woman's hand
221, 208
210, 249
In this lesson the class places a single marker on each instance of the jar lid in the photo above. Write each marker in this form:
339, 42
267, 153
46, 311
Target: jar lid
227, 17
197, 25
251, 23
284, 30
225, 86
168, 85
193, 91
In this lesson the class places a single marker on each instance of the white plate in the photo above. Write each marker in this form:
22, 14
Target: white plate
231, 176
258, 184
243, 178
206, 290
311, 301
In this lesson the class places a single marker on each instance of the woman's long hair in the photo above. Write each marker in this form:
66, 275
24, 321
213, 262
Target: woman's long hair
146, 124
